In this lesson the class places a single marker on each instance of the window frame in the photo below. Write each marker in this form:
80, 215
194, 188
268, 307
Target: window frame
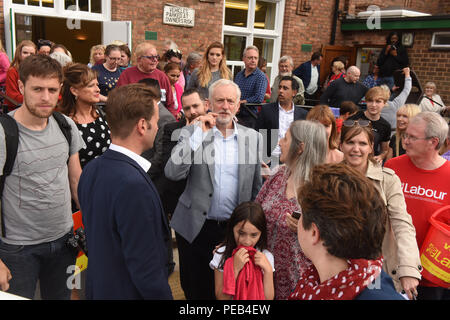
250, 32
439, 46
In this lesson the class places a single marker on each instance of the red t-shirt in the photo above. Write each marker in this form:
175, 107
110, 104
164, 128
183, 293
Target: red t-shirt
12, 87
133, 75
425, 192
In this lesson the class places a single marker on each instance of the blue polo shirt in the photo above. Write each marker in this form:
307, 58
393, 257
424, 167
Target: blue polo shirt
253, 87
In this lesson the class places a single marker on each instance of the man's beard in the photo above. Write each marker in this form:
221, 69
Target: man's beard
38, 112
286, 74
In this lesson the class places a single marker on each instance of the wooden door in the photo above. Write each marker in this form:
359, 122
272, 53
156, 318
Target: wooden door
331, 52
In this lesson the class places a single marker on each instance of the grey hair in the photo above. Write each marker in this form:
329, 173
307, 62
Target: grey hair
288, 59
430, 84
224, 82
435, 126
313, 137
351, 69
192, 58
61, 57
250, 48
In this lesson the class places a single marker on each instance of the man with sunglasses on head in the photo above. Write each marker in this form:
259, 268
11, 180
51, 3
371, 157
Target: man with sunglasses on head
146, 67
424, 175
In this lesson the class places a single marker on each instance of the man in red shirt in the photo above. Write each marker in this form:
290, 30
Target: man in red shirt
425, 177
147, 60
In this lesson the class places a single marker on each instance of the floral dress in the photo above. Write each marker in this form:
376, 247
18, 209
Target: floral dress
290, 262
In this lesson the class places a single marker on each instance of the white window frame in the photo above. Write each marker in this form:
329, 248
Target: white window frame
439, 46
250, 33
10, 9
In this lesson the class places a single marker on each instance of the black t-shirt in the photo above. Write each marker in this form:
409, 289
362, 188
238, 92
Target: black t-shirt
381, 130
392, 145
340, 90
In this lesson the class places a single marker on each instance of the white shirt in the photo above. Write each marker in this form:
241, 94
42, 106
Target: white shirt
142, 162
312, 87
285, 118
226, 171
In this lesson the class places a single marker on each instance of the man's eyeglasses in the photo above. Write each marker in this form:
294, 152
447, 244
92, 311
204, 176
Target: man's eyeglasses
360, 122
153, 58
412, 138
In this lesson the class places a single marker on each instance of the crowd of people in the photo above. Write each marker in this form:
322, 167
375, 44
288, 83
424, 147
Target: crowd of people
311, 195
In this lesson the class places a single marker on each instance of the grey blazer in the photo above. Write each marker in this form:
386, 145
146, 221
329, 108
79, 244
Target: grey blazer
198, 167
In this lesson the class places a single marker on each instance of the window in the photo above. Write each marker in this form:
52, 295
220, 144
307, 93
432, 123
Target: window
441, 40
253, 22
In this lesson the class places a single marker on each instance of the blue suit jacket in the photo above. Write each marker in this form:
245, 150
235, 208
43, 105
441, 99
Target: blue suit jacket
269, 118
304, 72
125, 230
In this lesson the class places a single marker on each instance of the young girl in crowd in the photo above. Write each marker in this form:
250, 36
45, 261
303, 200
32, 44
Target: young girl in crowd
243, 267
173, 71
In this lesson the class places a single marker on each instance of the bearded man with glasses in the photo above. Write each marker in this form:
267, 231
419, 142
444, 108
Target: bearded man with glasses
424, 175
147, 58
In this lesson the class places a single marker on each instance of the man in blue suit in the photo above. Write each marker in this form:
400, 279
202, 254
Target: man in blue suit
122, 213
275, 118
309, 72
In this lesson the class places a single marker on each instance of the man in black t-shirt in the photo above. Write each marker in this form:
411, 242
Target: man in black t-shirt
376, 99
344, 89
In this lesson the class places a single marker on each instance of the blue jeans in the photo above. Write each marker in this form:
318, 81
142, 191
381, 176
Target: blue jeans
47, 262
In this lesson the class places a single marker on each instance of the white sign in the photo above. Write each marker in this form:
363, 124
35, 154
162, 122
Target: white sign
179, 16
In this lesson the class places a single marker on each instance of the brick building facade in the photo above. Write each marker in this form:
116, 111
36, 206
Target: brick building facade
306, 26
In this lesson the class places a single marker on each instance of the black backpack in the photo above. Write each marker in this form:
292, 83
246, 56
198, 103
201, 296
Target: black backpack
12, 143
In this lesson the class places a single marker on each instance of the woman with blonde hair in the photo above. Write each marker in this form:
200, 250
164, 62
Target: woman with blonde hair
213, 68
24, 49
404, 113
303, 147
324, 115
432, 101
97, 55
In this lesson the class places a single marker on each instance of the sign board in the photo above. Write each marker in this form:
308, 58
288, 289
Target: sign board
179, 16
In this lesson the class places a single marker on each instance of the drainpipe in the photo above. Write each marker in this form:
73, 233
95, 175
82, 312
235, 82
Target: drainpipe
334, 25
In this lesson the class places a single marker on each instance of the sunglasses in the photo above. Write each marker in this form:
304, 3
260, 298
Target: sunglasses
359, 122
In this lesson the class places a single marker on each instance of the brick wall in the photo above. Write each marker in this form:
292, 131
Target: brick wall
148, 16
431, 64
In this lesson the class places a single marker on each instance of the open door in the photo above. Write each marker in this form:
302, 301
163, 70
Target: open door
117, 30
331, 52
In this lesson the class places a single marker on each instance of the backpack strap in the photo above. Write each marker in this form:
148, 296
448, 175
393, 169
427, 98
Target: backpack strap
12, 143
64, 126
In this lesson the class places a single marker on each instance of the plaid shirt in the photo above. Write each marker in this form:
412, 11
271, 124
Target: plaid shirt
253, 87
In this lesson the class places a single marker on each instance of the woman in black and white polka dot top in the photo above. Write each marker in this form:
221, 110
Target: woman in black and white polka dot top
80, 93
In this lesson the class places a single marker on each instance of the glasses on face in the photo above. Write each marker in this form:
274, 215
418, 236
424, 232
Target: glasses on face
114, 59
412, 138
359, 122
152, 58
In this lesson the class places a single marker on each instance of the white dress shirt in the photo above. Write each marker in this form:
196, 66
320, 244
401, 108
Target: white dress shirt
312, 87
285, 118
142, 162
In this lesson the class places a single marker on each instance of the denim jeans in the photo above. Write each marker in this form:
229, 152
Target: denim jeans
47, 262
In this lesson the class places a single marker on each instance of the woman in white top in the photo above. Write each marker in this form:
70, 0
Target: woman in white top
432, 101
